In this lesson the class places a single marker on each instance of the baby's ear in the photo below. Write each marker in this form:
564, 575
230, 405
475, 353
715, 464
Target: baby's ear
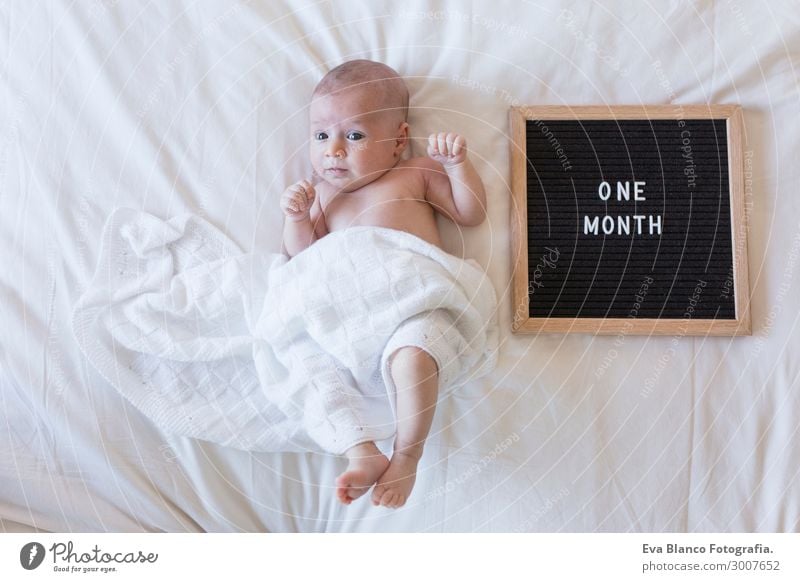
402, 138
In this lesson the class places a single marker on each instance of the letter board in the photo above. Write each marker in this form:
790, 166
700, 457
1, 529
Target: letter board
629, 219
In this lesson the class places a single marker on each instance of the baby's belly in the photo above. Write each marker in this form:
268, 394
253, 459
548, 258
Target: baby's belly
421, 223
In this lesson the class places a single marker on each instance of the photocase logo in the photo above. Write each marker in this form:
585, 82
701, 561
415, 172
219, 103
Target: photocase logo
31, 555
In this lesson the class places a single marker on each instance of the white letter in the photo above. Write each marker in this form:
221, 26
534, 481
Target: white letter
638, 218
591, 226
638, 188
604, 191
624, 222
607, 220
623, 192
656, 223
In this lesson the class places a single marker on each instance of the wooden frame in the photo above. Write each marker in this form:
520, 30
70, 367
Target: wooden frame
521, 320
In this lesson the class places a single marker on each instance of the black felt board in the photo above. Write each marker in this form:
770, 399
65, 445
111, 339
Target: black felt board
686, 271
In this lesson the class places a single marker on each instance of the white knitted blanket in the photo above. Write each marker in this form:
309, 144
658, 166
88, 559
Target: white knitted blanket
263, 353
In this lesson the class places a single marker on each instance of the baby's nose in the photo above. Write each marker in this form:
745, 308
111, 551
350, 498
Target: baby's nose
335, 149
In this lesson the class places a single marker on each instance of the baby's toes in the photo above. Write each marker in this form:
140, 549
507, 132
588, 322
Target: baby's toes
387, 498
377, 494
341, 494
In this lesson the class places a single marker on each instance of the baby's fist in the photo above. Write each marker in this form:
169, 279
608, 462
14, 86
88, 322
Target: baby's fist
297, 200
449, 149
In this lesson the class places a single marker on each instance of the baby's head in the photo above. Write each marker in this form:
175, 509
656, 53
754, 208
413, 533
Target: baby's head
358, 123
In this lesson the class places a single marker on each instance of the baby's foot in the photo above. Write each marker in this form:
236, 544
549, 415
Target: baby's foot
367, 463
394, 486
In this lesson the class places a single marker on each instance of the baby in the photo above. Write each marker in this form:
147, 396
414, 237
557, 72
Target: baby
359, 130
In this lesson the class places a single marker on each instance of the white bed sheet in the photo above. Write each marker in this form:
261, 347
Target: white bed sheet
200, 107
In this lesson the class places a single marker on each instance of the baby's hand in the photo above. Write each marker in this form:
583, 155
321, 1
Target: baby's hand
297, 200
449, 149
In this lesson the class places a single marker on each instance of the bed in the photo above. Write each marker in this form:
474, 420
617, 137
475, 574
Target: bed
200, 107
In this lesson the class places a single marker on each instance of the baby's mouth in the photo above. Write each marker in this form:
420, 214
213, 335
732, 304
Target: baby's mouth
335, 171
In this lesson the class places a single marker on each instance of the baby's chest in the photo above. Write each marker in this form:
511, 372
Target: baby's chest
378, 204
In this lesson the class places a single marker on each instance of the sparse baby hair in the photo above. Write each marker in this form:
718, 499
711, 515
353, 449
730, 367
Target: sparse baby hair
368, 75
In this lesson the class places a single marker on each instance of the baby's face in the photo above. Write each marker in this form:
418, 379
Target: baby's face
353, 142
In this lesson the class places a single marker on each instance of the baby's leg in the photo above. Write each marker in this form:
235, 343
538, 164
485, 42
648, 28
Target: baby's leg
417, 382
367, 463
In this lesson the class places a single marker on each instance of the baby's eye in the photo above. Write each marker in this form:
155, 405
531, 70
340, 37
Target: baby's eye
355, 136
320, 136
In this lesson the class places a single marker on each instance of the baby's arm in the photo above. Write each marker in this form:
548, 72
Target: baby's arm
457, 191
304, 222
